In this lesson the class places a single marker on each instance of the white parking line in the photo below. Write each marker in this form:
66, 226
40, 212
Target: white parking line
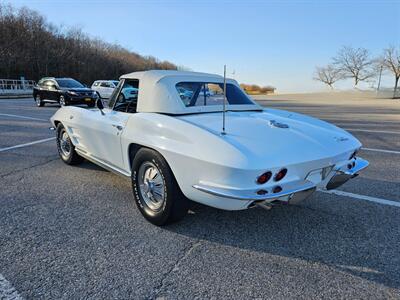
7, 291
23, 117
381, 150
362, 123
27, 144
363, 197
372, 131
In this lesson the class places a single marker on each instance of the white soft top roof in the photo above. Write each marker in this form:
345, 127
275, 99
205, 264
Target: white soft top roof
157, 92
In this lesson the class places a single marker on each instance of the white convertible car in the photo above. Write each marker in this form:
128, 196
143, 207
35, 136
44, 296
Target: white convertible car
173, 147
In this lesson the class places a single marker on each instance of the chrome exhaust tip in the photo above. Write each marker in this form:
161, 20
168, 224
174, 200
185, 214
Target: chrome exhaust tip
263, 205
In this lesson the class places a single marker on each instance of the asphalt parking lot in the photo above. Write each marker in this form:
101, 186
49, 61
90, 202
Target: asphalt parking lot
74, 232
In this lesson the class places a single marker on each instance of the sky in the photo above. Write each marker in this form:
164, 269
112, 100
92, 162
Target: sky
276, 43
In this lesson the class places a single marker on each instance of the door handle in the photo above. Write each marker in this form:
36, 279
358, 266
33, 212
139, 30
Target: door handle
119, 127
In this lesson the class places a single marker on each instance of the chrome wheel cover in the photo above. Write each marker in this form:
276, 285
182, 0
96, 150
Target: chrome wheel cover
62, 101
37, 99
65, 145
151, 185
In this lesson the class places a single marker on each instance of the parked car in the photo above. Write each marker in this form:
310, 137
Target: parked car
184, 93
104, 88
129, 92
174, 150
65, 91
205, 92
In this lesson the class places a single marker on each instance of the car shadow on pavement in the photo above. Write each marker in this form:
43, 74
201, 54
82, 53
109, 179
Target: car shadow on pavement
87, 165
341, 238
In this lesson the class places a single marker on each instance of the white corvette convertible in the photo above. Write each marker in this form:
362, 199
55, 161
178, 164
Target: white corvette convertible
168, 139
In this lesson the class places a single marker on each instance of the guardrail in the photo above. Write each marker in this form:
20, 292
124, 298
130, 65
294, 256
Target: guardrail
16, 87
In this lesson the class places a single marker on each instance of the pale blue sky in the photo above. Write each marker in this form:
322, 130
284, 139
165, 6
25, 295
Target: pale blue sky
265, 42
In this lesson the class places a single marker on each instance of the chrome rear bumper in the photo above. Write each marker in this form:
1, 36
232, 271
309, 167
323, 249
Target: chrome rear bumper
292, 192
343, 175
251, 195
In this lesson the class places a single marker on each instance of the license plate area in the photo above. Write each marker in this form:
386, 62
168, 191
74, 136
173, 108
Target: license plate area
316, 176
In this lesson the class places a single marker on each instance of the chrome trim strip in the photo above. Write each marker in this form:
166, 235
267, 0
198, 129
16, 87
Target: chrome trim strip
245, 194
102, 164
116, 93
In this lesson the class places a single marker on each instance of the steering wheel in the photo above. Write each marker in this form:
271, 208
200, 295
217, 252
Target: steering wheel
128, 105
121, 98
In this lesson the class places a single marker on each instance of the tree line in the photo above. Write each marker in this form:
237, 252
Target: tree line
358, 65
34, 48
256, 89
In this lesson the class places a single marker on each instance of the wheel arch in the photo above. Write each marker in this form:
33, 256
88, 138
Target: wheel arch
134, 148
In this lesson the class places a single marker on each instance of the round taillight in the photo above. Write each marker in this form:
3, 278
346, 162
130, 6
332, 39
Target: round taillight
282, 173
263, 178
277, 189
262, 192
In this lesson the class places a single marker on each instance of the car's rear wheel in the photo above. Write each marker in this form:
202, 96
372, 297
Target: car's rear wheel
62, 101
38, 100
65, 148
155, 189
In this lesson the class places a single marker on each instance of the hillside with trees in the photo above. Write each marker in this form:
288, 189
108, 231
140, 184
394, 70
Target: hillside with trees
34, 48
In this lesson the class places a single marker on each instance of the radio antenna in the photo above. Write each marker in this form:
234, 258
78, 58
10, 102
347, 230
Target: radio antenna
223, 104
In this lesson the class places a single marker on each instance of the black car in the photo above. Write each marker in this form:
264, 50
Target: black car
65, 91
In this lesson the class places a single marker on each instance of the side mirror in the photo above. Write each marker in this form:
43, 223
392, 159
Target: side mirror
100, 105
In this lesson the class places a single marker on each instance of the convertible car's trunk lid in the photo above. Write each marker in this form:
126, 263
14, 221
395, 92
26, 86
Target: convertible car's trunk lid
278, 135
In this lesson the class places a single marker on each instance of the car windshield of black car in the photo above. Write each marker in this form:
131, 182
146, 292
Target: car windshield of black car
69, 83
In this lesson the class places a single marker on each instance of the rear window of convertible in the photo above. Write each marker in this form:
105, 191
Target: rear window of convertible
209, 93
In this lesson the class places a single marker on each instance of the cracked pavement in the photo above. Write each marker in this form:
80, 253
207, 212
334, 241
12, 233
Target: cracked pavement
74, 232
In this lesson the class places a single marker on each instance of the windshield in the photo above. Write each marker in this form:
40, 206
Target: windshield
208, 93
69, 83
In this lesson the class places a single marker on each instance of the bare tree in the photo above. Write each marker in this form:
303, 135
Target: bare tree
391, 62
354, 63
328, 75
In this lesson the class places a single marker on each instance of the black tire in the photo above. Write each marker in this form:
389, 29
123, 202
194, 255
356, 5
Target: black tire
62, 101
71, 157
174, 206
91, 104
38, 100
